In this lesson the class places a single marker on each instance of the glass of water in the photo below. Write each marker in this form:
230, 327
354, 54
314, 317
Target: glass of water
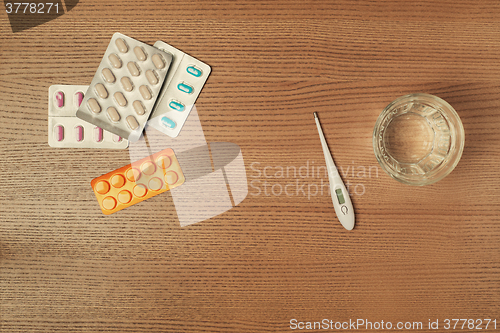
418, 139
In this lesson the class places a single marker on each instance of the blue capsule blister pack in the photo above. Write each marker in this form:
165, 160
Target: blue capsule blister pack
183, 84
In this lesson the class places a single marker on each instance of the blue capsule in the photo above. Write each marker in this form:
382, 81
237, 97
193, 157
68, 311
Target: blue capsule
194, 71
167, 122
176, 106
185, 88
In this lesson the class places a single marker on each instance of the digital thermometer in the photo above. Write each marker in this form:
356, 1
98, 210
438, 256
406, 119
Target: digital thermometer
340, 197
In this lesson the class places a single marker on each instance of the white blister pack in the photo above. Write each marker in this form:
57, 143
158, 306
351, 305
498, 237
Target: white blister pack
68, 131
125, 87
183, 84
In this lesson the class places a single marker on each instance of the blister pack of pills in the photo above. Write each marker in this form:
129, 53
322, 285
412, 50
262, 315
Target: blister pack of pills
186, 77
138, 181
68, 131
124, 90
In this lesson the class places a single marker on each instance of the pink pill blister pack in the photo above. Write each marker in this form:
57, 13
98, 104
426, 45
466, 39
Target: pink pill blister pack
125, 87
186, 77
68, 131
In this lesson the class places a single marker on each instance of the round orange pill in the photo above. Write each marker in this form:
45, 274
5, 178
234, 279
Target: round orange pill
140, 190
171, 177
124, 196
109, 203
133, 174
102, 187
148, 168
117, 181
155, 184
164, 161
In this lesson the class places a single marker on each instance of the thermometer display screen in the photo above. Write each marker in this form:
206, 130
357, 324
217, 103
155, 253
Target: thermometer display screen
340, 196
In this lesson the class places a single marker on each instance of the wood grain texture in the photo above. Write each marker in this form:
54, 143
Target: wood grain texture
415, 254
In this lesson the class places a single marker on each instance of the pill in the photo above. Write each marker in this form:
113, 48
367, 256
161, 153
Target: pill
167, 122
155, 184
171, 177
133, 69
101, 90
121, 45
158, 61
120, 99
176, 106
107, 74
114, 116
117, 138
195, 71
117, 181
102, 187
164, 161
59, 132
132, 122
145, 92
94, 105
115, 60
151, 76
109, 203
185, 88
139, 53
79, 133
98, 134
139, 108
127, 83
133, 174
59, 99
124, 196
78, 98
148, 168
140, 190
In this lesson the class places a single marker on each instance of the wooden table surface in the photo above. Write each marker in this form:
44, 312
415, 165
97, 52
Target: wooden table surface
416, 253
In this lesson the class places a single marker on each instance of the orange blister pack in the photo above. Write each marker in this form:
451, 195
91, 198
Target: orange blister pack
138, 181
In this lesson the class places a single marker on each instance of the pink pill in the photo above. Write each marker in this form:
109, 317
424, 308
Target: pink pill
117, 138
98, 134
59, 96
79, 133
78, 98
59, 132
